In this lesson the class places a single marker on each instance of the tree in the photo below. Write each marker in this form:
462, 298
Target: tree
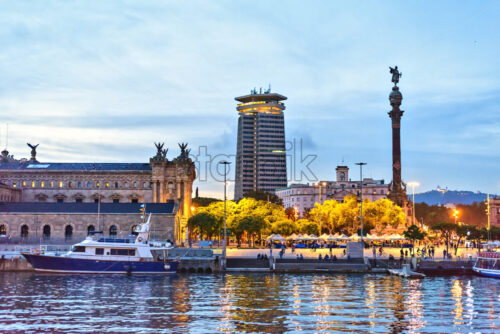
204, 201
461, 231
263, 196
382, 213
252, 225
413, 233
204, 223
284, 227
290, 213
446, 229
307, 226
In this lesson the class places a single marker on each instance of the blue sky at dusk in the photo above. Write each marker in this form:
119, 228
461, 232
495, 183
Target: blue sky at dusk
100, 81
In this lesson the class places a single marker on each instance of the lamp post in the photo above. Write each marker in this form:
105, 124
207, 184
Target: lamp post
361, 164
413, 185
225, 163
319, 202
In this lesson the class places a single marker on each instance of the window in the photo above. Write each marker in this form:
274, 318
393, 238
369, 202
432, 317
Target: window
70, 184
46, 231
79, 200
90, 229
68, 232
133, 230
116, 200
113, 230
3, 230
89, 184
13, 184
60, 200
42, 184
99, 251
79, 184
33, 184
135, 184
96, 200
52, 184
134, 200
107, 184
97, 184
24, 231
24, 184
124, 252
78, 249
60, 184
116, 185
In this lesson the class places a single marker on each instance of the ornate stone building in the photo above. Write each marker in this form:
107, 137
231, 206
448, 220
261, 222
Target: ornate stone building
302, 197
159, 181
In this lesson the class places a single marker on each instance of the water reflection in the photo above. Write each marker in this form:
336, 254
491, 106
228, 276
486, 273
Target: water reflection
247, 303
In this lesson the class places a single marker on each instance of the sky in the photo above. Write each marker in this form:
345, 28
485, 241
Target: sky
101, 81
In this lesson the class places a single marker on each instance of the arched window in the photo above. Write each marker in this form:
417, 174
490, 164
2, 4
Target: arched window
24, 231
133, 230
68, 232
46, 231
3, 230
113, 230
90, 229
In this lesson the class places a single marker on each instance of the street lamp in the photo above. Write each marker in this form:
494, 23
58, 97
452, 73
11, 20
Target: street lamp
319, 185
455, 214
225, 163
361, 164
413, 185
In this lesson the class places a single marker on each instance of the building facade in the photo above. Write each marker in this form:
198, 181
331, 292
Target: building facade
302, 197
260, 151
159, 181
495, 211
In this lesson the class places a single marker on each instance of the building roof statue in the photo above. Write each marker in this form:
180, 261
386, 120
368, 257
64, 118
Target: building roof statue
33, 152
184, 156
161, 153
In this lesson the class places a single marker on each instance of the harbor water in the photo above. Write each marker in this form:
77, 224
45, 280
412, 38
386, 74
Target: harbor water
263, 303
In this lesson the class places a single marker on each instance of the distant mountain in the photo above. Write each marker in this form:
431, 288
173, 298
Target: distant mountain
434, 197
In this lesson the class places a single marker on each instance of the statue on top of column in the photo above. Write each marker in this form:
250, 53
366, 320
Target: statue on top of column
395, 74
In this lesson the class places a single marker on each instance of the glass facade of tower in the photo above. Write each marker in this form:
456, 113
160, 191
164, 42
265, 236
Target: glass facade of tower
260, 153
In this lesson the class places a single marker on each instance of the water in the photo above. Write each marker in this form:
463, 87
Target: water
35, 303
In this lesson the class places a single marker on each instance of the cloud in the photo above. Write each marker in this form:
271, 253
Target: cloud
103, 80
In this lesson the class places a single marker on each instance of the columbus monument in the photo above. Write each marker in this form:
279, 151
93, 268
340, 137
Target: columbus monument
397, 188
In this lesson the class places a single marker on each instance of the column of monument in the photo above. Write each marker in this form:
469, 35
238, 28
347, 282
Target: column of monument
397, 188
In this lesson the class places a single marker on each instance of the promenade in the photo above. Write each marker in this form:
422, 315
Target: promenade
462, 253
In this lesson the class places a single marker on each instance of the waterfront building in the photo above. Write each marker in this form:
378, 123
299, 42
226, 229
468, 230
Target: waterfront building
495, 211
72, 192
260, 151
302, 197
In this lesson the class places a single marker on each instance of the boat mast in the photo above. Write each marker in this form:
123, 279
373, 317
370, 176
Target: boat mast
98, 211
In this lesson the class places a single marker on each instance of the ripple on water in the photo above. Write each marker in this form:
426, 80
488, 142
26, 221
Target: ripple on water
248, 303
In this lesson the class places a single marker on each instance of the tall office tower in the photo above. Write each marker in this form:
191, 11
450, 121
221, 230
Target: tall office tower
260, 152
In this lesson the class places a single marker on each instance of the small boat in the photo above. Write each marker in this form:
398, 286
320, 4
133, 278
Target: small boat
488, 262
99, 255
406, 272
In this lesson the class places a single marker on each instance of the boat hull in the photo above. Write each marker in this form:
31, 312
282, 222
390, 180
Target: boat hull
487, 272
60, 264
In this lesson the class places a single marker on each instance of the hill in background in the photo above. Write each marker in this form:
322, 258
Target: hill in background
435, 197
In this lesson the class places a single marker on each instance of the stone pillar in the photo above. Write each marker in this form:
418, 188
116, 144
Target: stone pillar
397, 189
